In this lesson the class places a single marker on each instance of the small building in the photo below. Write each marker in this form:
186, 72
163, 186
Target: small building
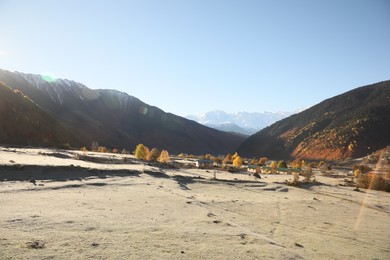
254, 168
205, 164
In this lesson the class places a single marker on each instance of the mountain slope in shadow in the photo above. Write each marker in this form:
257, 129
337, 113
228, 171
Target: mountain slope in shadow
116, 119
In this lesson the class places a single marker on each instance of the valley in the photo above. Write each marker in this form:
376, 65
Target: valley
83, 209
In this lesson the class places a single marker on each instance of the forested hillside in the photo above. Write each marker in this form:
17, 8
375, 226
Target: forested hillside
349, 125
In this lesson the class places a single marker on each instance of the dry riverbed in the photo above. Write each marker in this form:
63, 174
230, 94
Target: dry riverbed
88, 210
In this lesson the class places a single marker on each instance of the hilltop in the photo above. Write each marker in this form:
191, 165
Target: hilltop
352, 124
113, 118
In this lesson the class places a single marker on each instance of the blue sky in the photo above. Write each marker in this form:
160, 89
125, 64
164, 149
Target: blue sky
194, 56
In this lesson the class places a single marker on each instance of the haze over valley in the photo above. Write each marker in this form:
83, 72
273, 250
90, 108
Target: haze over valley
246, 123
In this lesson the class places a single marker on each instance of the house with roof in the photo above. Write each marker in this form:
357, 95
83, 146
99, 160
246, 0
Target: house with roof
204, 164
254, 168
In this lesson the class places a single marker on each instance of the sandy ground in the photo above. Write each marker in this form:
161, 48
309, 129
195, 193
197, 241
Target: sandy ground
135, 211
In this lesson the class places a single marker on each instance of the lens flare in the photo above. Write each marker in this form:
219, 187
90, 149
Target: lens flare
366, 196
143, 110
48, 78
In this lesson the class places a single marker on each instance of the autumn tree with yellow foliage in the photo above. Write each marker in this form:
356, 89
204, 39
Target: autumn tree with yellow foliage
140, 152
164, 157
237, 162
298, 163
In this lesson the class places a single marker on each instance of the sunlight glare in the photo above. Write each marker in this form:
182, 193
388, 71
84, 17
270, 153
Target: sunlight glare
143, 110
48, 78
369, 189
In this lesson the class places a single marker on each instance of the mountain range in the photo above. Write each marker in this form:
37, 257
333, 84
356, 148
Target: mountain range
65, 111
352, 124
240, 122
40, 111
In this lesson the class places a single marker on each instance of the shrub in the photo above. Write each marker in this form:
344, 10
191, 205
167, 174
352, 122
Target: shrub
307, 173
102, 149
363, 168
66, 146
297, 163
84, 149
321, 164
374, 181
357, 173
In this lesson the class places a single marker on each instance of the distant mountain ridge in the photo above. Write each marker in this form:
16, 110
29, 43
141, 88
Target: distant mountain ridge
114, 119
232, 128
352, 124
245, 122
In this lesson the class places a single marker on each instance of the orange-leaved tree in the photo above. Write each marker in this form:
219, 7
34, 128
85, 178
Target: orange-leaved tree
263, 160
153, 155
147, 153
227, 159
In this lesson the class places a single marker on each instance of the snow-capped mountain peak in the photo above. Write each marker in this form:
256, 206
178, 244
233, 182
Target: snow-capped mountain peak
250, 121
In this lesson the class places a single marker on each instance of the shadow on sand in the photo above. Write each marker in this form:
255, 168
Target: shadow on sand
58, 173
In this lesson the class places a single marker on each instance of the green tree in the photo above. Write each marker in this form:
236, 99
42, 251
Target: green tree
282, 164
